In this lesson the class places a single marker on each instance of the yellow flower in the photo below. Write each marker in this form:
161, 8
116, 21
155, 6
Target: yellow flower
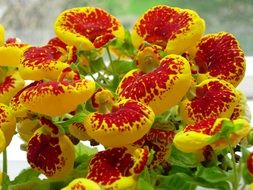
195, 137
82, 184
2, 33
118, 124
57, 98
160, 88
172, 28
219, 56
87, 27
117, 168
50, 152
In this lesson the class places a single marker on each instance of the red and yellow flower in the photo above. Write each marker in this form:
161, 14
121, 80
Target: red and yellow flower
87, 27
50, 152
57, 98
219, 56
161, 88
117, 168
2, 35
82, 184
214, 98
118, 124
194, 137
172, 28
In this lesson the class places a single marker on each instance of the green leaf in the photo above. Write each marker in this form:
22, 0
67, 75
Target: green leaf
183, 159
97, 65
179, 181
121, 67
81, 149
31, 184
78, 118
25, 175
143, 185
212, 174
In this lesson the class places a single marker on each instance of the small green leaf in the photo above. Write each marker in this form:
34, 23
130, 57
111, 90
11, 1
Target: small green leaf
121, 67
212, 174
31, 185
25, 175
143, 185
81, 149
183, 159
97, 65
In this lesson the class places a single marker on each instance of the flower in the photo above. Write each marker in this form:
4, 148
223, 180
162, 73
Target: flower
117, 168
158, 140
160, 88
57, 98
27, 127
214, 98
250, 163
87, 27
78, 130
82, 184
126, 121
2, 33
174, 29
50, 152
11, 83
195, 137
219, 56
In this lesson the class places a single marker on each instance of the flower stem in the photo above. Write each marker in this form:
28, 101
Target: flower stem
4, 186
109, 54
235, 180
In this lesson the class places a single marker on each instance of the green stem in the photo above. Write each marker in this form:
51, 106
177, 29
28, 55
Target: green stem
235, 180
109, 54
4, 186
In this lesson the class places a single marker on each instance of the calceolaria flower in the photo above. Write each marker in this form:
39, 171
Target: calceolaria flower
162, 87
214, 98
7, 125
87, 27
117, 168
219, 56
174, 29
50, 152
2, 33
126, 121
57, 98
82, 184
195, 137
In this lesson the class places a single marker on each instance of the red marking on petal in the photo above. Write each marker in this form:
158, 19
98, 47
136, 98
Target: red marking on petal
158, 140
58, 43
220, 55
140, 86
124, 117
44, 153
163, 23
211, 99
41, 57
250, 163
96, 25
204, 127
108, 166
47, 123
7, 84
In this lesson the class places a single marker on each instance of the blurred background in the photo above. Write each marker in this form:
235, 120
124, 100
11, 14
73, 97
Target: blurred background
32, 21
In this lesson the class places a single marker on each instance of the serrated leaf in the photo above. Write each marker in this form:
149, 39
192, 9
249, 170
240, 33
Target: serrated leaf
25, 175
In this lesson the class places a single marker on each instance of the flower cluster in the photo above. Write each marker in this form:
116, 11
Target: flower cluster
165, 91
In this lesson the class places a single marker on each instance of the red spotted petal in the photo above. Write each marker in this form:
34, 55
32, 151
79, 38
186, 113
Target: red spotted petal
158, 140
127, 122
87, 27
38, 63
11, 84
53, 156
117, 168
220, 56
161, 88
214, 98
172, 28
57, 98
